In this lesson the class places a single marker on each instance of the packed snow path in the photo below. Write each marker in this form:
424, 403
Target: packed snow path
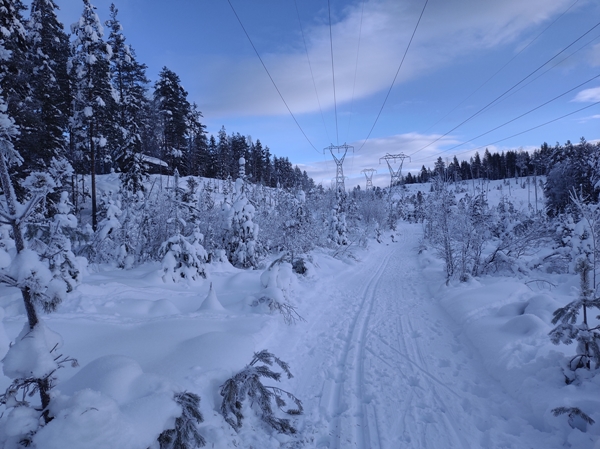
381, 365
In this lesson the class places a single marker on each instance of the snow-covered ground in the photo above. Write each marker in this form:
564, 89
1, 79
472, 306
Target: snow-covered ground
388, 355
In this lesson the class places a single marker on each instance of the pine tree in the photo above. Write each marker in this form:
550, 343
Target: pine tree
130, 110
173, 108
50, 87
197, 158
93, 95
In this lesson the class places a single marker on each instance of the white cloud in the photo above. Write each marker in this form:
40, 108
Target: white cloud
588, 95
449, 29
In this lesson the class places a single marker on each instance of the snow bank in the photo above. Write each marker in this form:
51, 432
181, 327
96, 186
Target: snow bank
110, 403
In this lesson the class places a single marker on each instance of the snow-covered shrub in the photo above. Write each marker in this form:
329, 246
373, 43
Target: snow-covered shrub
288, 224
183, 258
588, 338
31, 363
247, 384
338, 231
437, 224
276, 294
584, 247
63, 262
243, 247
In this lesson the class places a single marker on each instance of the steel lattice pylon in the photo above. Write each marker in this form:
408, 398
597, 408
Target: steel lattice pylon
339, 161
369, 175
395, 174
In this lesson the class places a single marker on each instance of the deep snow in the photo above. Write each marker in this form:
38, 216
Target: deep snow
388, 356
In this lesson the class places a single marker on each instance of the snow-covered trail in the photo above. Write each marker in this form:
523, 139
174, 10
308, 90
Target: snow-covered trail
381, 365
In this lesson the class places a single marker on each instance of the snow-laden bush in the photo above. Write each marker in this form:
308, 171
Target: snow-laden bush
276, 295
247, 384
183, 258
31, 362
243, 247
338, 231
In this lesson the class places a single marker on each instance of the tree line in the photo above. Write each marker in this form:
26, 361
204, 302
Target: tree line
86, 100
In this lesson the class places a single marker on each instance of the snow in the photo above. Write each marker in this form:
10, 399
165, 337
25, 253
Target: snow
30, 355
389, 355
211, 302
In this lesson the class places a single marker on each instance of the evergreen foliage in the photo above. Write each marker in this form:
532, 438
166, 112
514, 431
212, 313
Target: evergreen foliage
173, 109
93, 100
247, 384
50, 98
185, 435
130, 109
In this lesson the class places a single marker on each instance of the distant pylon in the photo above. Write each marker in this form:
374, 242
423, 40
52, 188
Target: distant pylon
339, 161
369, 175
395, 174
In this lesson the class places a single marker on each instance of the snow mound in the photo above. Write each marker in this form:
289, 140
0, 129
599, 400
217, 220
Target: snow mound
30, 355
211, 302
110, 403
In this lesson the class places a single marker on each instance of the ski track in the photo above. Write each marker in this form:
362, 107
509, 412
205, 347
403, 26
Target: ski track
383, 366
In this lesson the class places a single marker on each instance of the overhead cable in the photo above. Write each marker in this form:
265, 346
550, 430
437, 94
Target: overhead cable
508, 90
337, 134
396, 75
270, 77
518, 117
505, 65
523, 132
310, 68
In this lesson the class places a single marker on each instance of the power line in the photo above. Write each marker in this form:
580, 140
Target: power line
395, 76
504, 66
507, 91
518, 117
356, 67
337, 135
550, 68
270, 77
523, 132
310, 68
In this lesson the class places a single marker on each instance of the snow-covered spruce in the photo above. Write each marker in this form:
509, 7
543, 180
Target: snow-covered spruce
247, 384
183, 258
243, 248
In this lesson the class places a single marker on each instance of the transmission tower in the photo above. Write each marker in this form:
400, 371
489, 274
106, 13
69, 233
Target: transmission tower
369, 175
391, 161
339, 161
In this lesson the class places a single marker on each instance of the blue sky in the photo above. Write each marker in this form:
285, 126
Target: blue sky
445, 77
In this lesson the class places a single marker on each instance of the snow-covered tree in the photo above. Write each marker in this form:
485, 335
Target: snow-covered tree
173, 109
92, 124
48, 54
29, 361
584, 246
183, 258
130, 85
243, 248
